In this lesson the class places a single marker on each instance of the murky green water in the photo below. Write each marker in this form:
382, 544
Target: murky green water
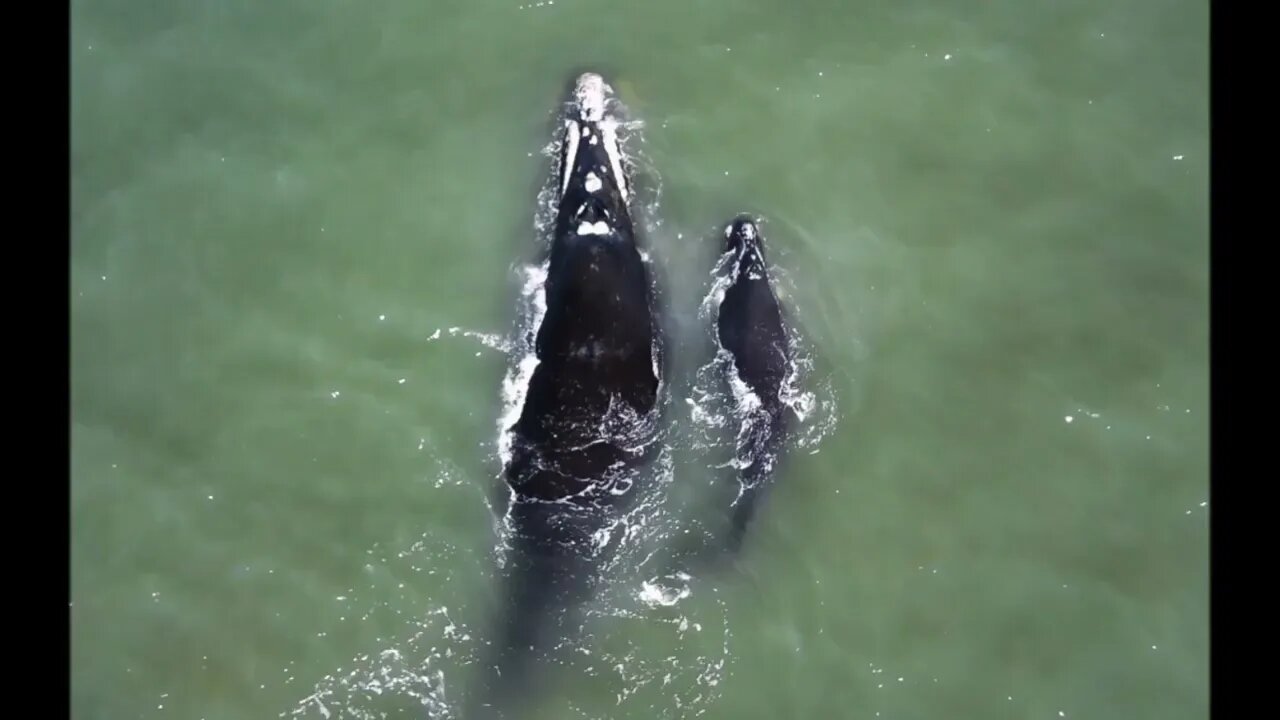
992, 221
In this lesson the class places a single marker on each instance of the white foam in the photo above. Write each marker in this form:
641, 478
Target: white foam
745, 398
653, 594
515, 386
493, 341
722, 279
417, 674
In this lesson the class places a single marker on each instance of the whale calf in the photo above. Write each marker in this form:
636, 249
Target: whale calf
750, 328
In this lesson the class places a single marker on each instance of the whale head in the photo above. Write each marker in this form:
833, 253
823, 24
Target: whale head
742, 234
594, 187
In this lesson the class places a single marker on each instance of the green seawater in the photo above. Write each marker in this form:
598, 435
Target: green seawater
990, 223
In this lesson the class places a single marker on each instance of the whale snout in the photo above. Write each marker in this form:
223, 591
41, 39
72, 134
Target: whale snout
591, 94
743, 231
591, 159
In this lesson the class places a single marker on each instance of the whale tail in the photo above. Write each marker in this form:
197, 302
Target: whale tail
547, 590
550, 573
761, 449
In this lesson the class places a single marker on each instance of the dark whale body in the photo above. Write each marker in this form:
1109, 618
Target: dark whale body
750, 328
589, 421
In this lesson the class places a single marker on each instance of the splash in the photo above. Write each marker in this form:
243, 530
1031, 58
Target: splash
657, 640
405, 676
666, 591
412, 672
532, 307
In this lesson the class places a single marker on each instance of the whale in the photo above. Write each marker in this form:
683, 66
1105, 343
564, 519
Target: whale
589, 422
750, 327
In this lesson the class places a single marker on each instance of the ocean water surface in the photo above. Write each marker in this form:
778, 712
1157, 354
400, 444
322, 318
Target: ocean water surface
299, 236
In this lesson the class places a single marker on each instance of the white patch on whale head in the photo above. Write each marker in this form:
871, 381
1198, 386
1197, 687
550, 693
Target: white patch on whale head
598, 228
593, 182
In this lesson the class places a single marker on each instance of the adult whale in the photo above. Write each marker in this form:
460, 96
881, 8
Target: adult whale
590, 415
750, 328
